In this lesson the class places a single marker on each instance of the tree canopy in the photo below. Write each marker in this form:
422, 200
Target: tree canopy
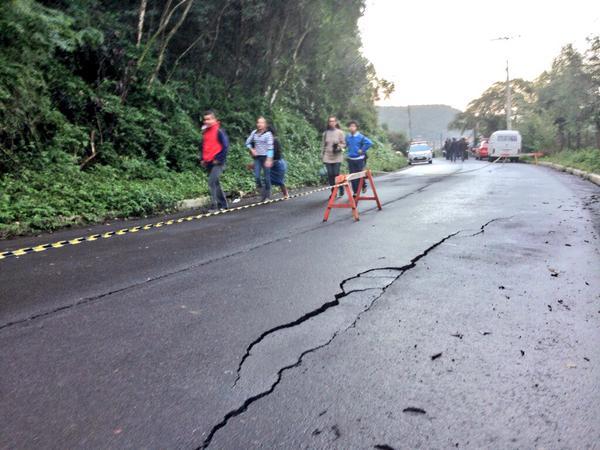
560, 109
97, 80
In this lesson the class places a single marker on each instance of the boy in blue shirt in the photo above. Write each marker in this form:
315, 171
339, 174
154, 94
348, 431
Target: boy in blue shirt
357, 146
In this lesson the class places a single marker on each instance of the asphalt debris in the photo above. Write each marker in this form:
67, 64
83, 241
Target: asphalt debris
414, 410
436, 356
383, 447
485, 333
336, 431
457, 335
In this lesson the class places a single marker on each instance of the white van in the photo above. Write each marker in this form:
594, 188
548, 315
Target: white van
504, 143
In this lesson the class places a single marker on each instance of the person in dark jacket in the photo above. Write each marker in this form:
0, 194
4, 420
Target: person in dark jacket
463, 147
279, 167
213, 154
453, 149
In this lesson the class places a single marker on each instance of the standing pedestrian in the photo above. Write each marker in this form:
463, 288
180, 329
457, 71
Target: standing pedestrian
453, 149
332, 150
463, 146
279, 168
447, 148
213, 154
260, 145
357, 146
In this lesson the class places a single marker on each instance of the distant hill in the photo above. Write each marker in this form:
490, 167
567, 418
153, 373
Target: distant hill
429, 122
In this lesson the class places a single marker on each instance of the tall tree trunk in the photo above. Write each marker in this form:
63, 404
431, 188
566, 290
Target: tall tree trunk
142, 15
198, 39
290, 66
167, 39
165, 18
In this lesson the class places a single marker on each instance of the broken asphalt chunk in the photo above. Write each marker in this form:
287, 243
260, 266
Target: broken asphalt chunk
436, 356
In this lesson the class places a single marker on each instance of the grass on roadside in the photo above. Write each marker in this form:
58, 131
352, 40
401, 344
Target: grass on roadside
584, 159
60, 195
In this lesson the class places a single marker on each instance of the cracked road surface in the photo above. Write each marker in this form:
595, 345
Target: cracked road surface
465, 314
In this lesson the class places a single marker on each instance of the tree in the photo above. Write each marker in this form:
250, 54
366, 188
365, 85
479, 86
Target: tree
399, 141
564, 92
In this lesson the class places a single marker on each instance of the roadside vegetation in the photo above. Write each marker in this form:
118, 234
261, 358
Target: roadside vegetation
100, 102
584, 159
558, 113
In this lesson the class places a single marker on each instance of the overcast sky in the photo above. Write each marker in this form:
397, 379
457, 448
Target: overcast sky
438, 51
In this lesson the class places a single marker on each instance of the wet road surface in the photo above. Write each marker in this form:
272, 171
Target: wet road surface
465, 314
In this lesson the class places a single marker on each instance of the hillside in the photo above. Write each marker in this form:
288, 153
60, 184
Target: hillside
429, 122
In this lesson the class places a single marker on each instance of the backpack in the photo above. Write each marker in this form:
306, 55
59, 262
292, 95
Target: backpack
276, 149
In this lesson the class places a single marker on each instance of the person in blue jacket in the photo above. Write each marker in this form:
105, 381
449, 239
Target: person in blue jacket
357, 146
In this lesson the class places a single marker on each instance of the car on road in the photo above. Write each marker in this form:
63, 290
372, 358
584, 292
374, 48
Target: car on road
420, 151
481, 152
505, 143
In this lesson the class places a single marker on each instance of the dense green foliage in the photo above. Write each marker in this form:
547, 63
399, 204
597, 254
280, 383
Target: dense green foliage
100, 101
557, 111
584, 159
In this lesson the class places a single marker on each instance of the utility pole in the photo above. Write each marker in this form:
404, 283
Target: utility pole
409, 124
508, 105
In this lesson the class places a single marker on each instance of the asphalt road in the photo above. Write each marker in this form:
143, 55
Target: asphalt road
464, 314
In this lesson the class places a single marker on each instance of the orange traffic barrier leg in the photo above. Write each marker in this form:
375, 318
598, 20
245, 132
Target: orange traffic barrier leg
345, 185
330, 203
351, 201
375, 197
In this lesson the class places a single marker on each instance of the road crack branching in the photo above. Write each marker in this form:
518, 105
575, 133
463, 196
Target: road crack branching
338, 297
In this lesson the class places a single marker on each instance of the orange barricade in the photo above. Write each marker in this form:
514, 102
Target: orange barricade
352, 199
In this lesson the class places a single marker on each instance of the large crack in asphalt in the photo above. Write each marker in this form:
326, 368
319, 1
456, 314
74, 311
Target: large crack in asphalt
104, 295
391, 274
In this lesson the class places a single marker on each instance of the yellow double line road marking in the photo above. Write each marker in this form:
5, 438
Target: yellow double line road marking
124, 231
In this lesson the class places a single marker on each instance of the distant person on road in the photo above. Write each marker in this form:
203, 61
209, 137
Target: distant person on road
332, 150
260, 146
463, 147
453, 149
447, 148
357, 146
279, 168
213, 154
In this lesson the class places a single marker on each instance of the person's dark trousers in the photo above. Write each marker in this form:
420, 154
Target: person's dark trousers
355, 165
214, 184
265, 181
333, 170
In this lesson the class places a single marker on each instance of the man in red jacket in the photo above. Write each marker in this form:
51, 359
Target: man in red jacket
213, 154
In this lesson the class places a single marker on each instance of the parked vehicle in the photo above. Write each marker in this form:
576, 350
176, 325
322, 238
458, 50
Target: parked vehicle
505, 143
420, 151
481, 152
